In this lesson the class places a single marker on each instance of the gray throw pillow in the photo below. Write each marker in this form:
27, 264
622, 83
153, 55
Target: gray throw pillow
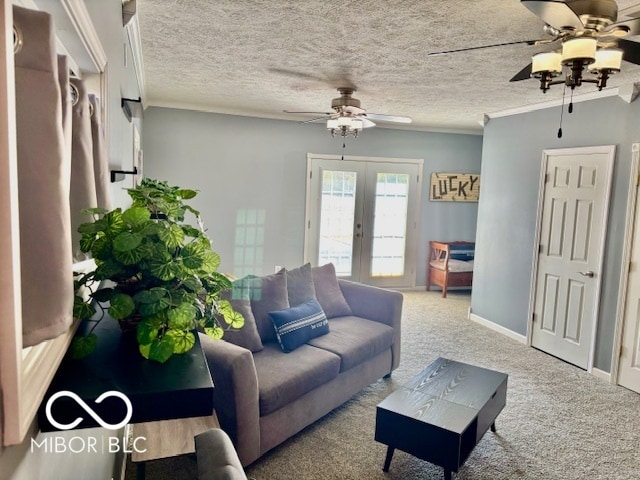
247, 336
267, 293
328, 291
300, 287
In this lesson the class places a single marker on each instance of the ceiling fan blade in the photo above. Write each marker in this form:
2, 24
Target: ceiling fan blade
555, 13
528, 42
310, 113
316, 119
630, 51
632, 27
388, 118
366, 123
523, 74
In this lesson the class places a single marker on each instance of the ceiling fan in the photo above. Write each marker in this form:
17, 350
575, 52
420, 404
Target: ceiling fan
591, 37
348, 118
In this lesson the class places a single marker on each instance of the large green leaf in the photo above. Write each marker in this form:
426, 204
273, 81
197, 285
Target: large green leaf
108, 270
193, 283
183, 341
122, 305
172, 236
214, 332
126, 241
152, 308
193, 255
101, 248
89, 228
211, 262
130, 257
150, 296
186, 194
164, 271
147, 331
113, 221
182, 317
190, 231
82, 310
93, 211
136, 216
159, 350
231, 317
83, 346
103, 295
86, 242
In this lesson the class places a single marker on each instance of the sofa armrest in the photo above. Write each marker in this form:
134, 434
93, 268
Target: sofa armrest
377, 304
235, 394
216, 457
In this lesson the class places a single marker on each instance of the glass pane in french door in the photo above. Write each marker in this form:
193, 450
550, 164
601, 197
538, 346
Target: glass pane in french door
337, 216
390, 225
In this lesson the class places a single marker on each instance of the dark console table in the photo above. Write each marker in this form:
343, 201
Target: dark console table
179, 388
441, 414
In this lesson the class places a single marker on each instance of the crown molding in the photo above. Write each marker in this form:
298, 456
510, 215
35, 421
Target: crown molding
627, 93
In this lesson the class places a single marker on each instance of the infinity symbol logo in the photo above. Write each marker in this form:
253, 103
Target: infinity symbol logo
94, 415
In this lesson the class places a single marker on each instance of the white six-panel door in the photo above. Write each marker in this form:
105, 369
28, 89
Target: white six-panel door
573, 220
629, 366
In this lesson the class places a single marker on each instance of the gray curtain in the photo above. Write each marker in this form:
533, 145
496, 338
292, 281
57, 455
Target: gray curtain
43, 183
83, 183
100, 158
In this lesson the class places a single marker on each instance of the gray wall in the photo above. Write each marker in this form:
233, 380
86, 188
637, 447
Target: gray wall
511, 162
249, 163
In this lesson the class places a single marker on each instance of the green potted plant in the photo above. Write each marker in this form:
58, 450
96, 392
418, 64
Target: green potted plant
155, 274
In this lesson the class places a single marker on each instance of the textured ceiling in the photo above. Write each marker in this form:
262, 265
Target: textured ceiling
259, 57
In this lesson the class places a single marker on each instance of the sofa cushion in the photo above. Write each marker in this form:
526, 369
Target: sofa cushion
328, 291
300, 287
267, 293
284, 378
295, 325
239, 298
355, 340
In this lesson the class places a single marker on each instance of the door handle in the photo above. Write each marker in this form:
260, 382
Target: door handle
589, 274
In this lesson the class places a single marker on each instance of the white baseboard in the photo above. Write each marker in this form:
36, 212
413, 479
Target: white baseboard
601, 374
498, 328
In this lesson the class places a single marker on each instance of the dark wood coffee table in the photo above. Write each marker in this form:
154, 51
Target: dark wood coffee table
441, 414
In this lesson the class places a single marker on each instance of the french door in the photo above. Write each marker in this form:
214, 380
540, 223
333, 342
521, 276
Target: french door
362, 217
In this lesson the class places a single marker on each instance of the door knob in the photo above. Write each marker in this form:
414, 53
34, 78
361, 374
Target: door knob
589, 274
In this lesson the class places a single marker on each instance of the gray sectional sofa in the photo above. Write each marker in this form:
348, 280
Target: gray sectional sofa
263, 395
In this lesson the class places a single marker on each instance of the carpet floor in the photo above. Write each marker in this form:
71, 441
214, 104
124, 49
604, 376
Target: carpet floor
559, 422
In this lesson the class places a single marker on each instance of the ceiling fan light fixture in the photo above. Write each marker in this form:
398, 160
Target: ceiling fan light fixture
344, 121
607, 58
550, 62
580, 49
332, 123
357, 124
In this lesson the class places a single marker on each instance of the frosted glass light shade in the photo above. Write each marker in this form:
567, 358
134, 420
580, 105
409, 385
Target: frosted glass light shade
356, 124
344, 121
607, 58
583, 49
332, 123
546, 62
